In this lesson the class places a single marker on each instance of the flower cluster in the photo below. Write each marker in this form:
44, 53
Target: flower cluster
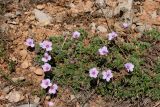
46, 45
112, 35
107, 74
46, 83
52, 87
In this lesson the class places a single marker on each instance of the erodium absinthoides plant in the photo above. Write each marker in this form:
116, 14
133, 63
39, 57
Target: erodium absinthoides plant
112, 35
46, 83
107, 75
93, 72
30, 42
129, 67
47, 45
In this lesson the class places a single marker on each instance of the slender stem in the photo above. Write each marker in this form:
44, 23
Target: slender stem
121, 51
63, 42
109, 29
88, 98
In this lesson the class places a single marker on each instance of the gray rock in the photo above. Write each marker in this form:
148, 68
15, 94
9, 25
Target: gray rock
4, 28
28, 105
23, 53
18, 13
13, 22
154, 15
9, 105
72, 97
158, 12
146, 101
10, 15
107, 12
48, 97
133, 26
93, 27
86, 105
36, 100
136, 19
139, 24
15, 96
43, 18
2, 97
70, 5
7, 89
101, 29
125, 6
25, 64
65, 33
18, 79
60, 16
101, 3
40, 6
38, 71
122, 104
140, 29
143, 28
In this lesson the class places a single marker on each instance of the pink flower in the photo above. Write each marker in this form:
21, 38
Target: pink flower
46, 57
125, 25
46, 83
76, 35
30, 42
93, 72
103, 50
47, 45
112, 35
107, 75
53, 89
129, 67
50, 104
46, 67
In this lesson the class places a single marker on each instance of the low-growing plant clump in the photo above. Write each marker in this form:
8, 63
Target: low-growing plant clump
112, 66
4, 51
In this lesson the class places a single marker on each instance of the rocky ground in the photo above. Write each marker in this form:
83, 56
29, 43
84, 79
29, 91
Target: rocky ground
40, 19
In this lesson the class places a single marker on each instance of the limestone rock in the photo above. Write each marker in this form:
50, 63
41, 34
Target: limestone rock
101, 3
15, 96
23, 54
40, 6
18, 79
25, 64
43, 18
29, 105
101, 29
38, 71
36, 99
